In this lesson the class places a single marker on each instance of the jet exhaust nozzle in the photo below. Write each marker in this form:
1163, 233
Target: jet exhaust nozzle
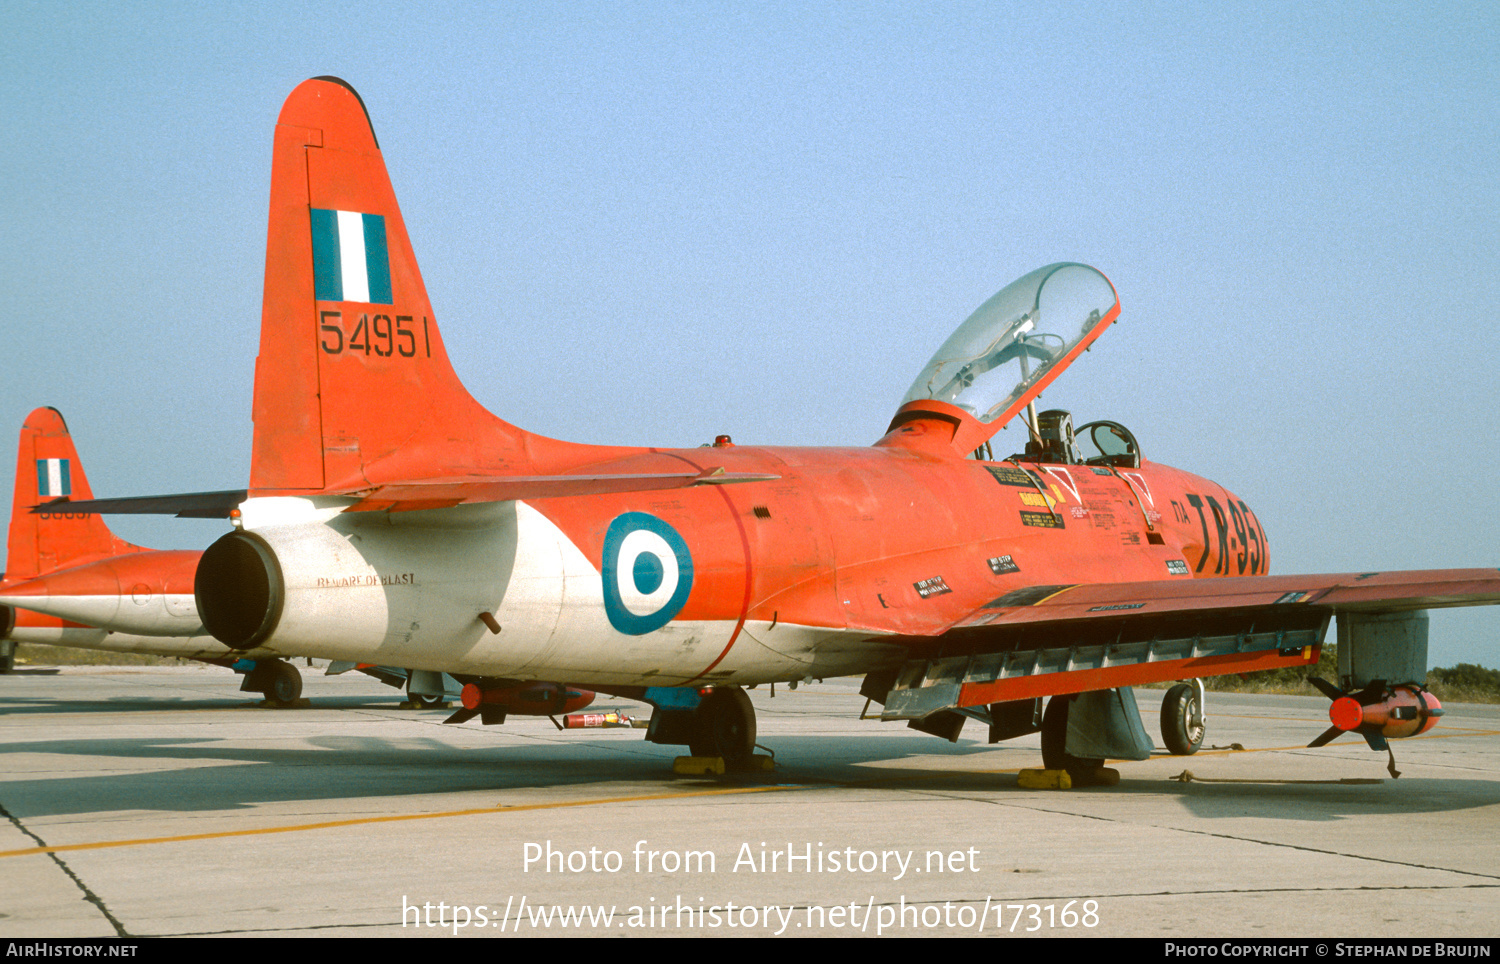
239, 590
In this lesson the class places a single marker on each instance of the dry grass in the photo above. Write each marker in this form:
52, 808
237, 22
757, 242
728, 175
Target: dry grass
35, 654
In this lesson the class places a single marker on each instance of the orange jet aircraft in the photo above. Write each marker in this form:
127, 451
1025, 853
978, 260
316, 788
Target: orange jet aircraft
72, 582
392, 519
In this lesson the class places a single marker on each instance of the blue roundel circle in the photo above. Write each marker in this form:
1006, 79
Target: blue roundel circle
648, 573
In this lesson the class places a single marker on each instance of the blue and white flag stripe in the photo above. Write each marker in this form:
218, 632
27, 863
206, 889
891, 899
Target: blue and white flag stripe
53, 478
350, 258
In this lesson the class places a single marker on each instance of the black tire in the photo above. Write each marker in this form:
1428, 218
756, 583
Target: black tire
1055, 740
1178, 708
285, 683
724, 726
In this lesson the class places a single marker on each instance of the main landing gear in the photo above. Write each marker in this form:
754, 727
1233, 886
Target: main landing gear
1182, 731
717, 724
426, 690
276, 679
724, 726
425, 701
1055, 740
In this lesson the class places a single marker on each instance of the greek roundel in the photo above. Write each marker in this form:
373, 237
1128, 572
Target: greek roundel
648, 573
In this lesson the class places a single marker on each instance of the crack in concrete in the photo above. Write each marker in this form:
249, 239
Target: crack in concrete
88, 894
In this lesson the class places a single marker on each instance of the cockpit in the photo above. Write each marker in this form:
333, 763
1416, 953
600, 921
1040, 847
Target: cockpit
1001, 358
1099, 443
1109, 443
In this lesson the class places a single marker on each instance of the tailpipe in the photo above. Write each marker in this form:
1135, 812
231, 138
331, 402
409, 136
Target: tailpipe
239, 590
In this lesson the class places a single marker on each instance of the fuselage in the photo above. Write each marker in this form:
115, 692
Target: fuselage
29, 626
145, 593
809, 575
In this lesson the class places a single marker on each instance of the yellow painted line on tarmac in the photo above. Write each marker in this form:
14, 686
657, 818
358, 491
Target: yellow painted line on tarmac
363, 821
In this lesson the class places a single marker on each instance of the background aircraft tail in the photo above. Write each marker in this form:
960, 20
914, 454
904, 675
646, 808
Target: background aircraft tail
353, 386
47, 467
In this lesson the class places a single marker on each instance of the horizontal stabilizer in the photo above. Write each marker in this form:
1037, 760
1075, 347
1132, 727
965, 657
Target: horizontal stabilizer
438, 493
424, 494
191, 505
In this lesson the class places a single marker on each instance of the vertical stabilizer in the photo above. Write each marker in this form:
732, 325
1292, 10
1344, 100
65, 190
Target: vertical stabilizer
47, 468
353, 386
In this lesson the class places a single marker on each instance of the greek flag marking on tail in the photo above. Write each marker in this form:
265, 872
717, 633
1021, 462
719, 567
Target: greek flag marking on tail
350, 259
53, 478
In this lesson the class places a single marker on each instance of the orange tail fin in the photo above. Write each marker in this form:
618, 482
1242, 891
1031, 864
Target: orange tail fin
353, 386
47, 467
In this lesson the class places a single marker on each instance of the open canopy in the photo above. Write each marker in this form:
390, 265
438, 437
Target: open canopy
1011, 348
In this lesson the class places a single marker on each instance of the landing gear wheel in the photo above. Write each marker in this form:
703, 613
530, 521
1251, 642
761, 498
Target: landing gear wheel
425, 701
1179, 709
7, 656
1055, 740
725, 726
284, 683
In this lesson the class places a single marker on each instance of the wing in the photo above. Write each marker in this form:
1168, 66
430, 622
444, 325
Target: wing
1362, 592
1046, 640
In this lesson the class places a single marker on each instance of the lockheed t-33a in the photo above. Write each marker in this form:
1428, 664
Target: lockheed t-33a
391, 519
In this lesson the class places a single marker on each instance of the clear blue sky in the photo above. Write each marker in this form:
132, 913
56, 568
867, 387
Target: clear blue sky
653, 223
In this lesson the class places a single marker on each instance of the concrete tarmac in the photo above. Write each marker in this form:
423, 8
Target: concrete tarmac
161, 801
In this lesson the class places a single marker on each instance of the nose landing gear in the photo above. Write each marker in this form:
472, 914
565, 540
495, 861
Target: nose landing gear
1182, 727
